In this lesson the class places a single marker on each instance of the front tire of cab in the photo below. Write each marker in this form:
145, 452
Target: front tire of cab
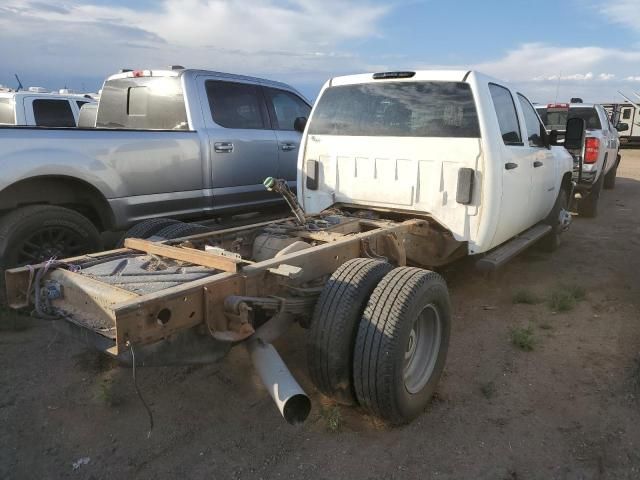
559, 220
402, 344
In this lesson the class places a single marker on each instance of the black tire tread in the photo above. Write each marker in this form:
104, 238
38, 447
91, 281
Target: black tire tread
334, 326
13, 220
610, 179
147, 228
588, 206
181, 229
373, 379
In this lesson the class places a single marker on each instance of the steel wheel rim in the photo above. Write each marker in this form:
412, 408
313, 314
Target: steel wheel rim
564, 219
421, 352
51, 242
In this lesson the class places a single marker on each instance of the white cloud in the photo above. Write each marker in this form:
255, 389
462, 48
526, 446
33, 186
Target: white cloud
300, 41
267, 37
562, 78
624, 12
545, 72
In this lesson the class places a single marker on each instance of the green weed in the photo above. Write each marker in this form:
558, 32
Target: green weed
525, 296
523, 338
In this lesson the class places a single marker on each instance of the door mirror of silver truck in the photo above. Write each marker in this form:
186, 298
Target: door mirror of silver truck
544, 136
299, 124
553, 137
622, 127
574, 136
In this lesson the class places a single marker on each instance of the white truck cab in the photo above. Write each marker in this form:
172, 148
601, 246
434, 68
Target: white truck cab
39, 108
460, 147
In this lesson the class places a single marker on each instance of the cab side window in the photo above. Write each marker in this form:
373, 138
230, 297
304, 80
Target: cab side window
532, 123
507, 116
53, 113
237, 105
285, 108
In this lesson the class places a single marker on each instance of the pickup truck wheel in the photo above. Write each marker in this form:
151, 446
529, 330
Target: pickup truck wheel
33, 234
559, 219
610, 178
588, 206
334, 325
180, 229
146, 228
402, 344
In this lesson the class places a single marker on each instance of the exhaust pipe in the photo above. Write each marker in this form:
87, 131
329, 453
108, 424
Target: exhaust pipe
293, 403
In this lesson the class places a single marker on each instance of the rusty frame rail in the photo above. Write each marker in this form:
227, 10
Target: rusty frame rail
145, 319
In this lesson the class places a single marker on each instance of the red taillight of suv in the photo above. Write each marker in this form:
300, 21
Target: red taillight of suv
591, 150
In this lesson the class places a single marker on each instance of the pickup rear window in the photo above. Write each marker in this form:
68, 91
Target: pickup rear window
146, 103
397, 109
556, 119
6, 112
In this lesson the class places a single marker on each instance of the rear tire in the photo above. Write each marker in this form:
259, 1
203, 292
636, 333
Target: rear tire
36, 233
334, 325
180, 229
402, 344
147, 228
33, 234
610, 178
588, 206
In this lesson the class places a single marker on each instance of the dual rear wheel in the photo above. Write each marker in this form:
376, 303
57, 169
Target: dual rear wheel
379, 338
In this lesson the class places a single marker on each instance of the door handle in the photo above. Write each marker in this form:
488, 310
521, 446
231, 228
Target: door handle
537, 164
287, 147
223, 147
510, 165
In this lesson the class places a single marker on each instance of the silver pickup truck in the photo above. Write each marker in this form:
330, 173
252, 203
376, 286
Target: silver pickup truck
596, 164
174, 143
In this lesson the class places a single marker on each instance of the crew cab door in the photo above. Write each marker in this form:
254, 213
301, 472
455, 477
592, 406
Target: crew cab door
543, 184
284, 107
517, 166
242, 145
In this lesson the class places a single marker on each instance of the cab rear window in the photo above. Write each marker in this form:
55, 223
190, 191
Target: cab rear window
7, 116
397, 109
556, 119
144, 103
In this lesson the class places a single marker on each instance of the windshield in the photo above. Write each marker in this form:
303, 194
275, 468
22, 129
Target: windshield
397, 109
556, 119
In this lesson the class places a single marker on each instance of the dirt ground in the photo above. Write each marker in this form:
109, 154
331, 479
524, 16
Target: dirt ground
528, 393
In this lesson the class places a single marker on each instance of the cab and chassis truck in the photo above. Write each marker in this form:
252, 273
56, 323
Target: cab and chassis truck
399, 173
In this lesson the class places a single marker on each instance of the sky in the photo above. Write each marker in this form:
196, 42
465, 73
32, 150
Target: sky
550, 50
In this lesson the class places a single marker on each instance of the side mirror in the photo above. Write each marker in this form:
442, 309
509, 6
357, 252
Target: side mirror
622, 127
299, 124
545, 137
553, 137
574, 136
